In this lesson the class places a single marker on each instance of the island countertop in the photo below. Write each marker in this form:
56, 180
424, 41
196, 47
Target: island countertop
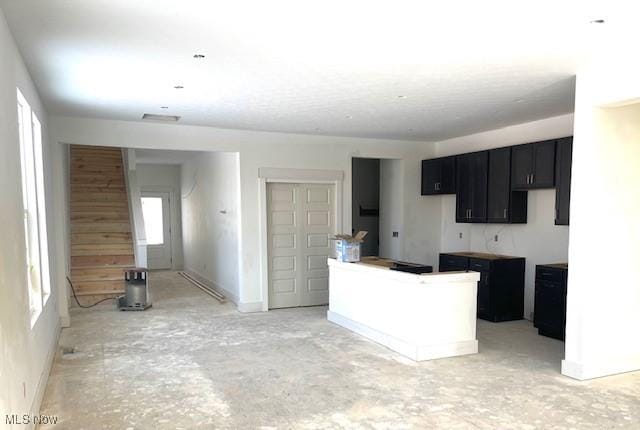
382, 268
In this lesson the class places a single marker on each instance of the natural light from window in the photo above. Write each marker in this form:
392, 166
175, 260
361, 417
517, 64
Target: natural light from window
33, 200
153, 222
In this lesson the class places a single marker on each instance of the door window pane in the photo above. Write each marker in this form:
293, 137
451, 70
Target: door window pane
153, 222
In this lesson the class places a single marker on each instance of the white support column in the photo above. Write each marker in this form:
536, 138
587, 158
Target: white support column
603, 299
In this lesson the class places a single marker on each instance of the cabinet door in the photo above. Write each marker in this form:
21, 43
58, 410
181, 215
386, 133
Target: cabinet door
479, 171
521, 166
430, 177
484, 310
549, 306
447, 175
563, 180
463, 188
499, 188
544, 164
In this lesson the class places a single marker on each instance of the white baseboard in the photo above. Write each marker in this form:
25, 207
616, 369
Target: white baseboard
44, 376
592, 370
250, 307
414, 352
65, 321
212, 285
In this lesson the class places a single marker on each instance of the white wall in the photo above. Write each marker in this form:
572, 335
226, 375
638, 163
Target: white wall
211, 220
25, 353
277, 150
166, 177
539, 240
391, 208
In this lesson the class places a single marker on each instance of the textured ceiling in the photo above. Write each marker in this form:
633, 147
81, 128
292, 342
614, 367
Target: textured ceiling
388, 69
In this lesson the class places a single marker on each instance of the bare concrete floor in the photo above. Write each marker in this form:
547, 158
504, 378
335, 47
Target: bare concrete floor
191, 363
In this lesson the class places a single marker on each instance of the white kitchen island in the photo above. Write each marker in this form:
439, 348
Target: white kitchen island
423, 317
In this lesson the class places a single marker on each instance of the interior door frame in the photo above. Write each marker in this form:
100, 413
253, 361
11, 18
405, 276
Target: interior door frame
292, 176
174, 225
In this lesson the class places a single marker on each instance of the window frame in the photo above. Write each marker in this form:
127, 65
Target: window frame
37, 268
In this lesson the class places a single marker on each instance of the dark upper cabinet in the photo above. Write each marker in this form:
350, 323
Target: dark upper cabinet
533, 165
503, 204
438, 176
471, 187
564, 150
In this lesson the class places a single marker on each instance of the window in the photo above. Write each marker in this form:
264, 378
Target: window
33, 202
153, 222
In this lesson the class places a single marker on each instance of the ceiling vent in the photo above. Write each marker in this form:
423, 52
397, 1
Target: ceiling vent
161, 118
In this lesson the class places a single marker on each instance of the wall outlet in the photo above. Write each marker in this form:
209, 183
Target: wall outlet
395, 234
495, 238
460, 235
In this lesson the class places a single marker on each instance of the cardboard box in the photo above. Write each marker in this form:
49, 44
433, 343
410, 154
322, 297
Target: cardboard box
348, 247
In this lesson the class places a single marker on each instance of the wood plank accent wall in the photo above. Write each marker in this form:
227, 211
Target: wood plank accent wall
101, 239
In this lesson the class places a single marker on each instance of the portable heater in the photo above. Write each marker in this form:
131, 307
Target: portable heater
136, 297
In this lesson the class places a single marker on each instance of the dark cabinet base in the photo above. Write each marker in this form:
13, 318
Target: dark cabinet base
551, 333
501, 285
550, 306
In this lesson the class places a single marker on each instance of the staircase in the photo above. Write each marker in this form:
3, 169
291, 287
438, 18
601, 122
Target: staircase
101, 242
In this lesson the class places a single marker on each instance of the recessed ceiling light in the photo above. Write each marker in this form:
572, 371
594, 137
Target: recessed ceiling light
161, 118
164, 107
597, 21
519, 100
402, 97
348, 116
178, 87
198, 56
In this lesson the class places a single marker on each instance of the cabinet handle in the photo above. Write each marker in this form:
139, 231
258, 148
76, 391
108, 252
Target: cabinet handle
527, 179
505, 213
533, 178
470, 213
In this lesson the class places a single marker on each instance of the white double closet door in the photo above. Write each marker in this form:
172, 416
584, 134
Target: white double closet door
300, 222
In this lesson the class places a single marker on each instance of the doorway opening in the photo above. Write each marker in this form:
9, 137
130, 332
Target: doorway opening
377, 205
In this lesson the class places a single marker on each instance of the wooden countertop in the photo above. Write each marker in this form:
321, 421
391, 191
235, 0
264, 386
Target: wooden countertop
564, 266
482, 255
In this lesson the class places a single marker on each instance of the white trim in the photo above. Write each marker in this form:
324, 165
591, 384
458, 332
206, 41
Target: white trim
275, 174
44, 376
250, 307
599, 369
414, 352
296, 176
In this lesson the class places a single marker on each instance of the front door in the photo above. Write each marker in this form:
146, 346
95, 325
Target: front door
300, 222
157, 224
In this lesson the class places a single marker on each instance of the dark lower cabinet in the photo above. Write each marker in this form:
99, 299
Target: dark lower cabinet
550, 306
501, 285
504, 205
564, 149
438, 176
